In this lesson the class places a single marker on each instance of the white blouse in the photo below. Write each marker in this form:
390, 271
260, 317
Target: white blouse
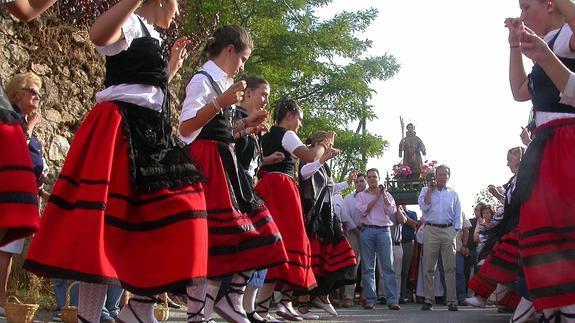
143, 95
199, 92
560, 48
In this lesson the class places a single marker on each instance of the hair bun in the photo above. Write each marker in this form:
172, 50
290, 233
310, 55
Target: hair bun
209, 43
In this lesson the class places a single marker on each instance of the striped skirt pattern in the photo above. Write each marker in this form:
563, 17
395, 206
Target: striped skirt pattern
95, 228
238, 240
281, 196
18, 190
547, 221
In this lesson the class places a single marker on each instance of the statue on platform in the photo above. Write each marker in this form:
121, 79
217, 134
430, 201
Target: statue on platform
411, 146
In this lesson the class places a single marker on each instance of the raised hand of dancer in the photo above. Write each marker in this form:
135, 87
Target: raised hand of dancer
233, 94
178, 54
534, 47
330, 138
515, 26
328, 154
256, 118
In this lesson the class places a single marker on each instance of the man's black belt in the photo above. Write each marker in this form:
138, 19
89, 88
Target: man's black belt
396, 243
374, 226
439, 225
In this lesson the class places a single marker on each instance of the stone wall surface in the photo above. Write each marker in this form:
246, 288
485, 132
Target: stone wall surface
71, 71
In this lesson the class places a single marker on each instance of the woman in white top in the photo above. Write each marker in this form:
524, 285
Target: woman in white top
127, 192
332, 256
280, 192
544, 197
242, 234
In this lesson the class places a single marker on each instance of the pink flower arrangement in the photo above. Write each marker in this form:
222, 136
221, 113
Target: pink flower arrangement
428, 169
401, 170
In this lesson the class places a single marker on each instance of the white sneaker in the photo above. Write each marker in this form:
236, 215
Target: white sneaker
2, 311
307, 315
475, 302
523, 311
327, 307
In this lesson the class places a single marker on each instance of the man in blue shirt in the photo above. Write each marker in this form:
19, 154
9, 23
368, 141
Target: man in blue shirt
442, 216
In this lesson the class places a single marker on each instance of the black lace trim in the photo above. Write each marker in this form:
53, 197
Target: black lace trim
158, 160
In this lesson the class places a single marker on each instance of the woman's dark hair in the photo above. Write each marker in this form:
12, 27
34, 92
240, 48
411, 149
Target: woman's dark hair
228, 35
283, 107
253, 82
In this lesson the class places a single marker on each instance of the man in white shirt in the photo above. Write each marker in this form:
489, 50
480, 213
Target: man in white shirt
442, 216
351, 220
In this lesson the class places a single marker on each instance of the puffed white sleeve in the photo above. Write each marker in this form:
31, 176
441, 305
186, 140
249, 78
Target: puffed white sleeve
291, 141
198, 94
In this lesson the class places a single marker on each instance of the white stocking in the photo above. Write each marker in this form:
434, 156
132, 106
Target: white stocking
90, 302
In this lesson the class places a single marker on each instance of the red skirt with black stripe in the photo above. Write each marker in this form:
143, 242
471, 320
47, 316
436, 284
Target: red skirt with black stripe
238, 241
333, 264
501, 266
281, 196
18, 190
331, 257
95, 228
547, 221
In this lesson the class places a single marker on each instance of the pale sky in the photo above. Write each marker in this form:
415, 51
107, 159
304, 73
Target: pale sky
452, 84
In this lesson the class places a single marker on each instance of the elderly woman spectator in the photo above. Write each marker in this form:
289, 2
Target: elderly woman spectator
23, 91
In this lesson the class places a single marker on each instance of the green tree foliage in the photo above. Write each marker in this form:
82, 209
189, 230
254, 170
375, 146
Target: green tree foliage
322, 64
486, 197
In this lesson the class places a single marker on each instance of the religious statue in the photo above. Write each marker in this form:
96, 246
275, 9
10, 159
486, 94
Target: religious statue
412, 147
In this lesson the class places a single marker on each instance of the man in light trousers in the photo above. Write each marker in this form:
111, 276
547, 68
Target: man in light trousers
442, 216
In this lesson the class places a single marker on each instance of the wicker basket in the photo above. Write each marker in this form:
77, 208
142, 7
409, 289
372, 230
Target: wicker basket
69, 314
16, 312
162, 311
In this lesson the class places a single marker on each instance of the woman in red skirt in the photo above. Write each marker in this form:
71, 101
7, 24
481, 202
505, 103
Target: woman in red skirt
127, 193
279, 190
502, 250
242, 234
18, 189
333, 259
545, 197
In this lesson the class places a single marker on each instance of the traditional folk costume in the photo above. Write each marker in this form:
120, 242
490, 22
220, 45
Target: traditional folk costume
502, 251
278, 189
333, 259
248, 152
242, 233
545, 193
19, 213
127, 193
241, 228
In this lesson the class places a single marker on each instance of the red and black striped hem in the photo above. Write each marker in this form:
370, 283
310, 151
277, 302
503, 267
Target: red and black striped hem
64, 273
